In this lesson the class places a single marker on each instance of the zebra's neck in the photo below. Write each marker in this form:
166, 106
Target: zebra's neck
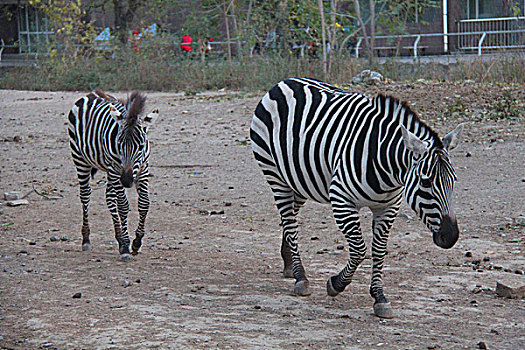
396, 113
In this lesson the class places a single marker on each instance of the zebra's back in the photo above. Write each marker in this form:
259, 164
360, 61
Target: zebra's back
302, 127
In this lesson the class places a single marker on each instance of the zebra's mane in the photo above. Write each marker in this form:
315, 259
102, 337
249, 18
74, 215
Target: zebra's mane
408, 118
135, 106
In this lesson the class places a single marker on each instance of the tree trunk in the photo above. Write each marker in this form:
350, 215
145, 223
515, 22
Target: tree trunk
228, 38
333, 39
371, 50
123, 17
323, 35
236, 29
362, 24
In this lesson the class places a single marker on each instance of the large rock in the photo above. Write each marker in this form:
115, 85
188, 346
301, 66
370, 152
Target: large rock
510, 289
368, 77
17, 202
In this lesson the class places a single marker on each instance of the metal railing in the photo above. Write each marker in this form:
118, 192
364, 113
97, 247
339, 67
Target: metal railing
482, 35
503, 39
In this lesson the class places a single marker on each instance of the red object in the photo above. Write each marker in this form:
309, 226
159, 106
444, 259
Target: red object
135, 32
186, 43
211, 40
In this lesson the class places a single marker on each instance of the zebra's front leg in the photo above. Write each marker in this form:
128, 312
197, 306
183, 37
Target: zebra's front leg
84, 173
143, 194
347, 219
382, 222
114, 191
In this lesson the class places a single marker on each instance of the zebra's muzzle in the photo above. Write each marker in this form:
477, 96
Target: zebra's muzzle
448, 233
127, 179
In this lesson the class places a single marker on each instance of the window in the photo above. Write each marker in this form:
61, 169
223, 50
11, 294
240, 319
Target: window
34, 30
477, 9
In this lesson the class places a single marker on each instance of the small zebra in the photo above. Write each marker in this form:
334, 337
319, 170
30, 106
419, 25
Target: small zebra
108, 134
315, 141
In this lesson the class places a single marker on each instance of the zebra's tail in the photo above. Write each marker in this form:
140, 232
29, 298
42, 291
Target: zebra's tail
93, 172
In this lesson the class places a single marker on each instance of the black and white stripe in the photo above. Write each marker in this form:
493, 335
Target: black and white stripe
315, 141
108, 134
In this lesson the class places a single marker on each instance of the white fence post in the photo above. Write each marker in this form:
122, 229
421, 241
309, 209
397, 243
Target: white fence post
481, 42
357, 46
415, 45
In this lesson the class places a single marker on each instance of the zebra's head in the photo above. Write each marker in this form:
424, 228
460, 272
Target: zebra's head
132, 139
429, 185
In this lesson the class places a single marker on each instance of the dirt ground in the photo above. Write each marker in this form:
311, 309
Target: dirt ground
209, 275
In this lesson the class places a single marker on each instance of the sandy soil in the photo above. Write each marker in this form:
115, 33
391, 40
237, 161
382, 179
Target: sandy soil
214, 281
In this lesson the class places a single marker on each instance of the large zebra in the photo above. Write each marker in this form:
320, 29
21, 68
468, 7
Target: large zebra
315, 141
108, 134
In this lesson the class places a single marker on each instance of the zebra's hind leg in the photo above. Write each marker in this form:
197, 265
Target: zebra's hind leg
84, 172
347, 219
286, 253
143, 194
382, 222
286, 199
117, 208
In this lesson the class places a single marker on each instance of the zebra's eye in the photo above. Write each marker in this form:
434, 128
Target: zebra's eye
425, 182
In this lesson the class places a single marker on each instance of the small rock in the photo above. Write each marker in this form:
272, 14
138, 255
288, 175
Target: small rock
476, 262
138, 280
257, 307
126, 283
510, 290
47, 345
486, 258
340, 247
314, 238
101, 299
77, 295
64, 238
482, 345
468, 154
17, 202
12, 195
53, 238
468, 254
518, 272
32, 243
476, 290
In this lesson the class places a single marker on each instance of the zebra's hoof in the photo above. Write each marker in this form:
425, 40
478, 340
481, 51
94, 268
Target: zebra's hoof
288, 272
330, 288
86, 247
383, 310
125, 257
302, 288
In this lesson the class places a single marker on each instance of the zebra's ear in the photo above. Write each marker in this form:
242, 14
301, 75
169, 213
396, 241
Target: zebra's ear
451, 140
150, 119
412, 142
115, 113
